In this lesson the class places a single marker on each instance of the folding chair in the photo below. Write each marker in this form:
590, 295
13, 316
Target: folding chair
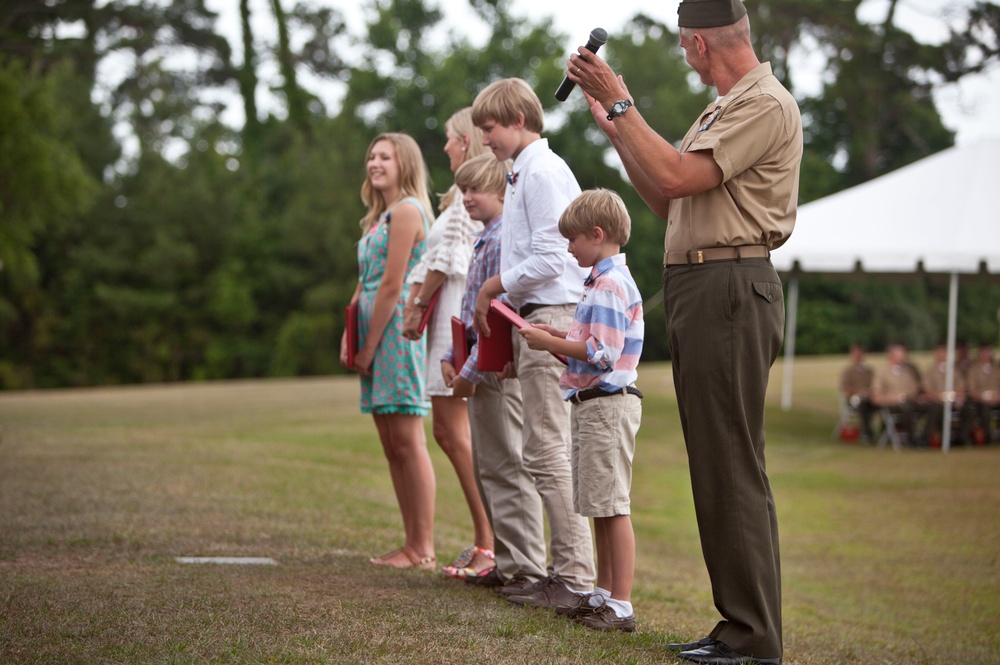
891, 431
848, 416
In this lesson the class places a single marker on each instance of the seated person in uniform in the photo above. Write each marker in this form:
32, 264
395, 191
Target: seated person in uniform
983, 384
896, 386
856, 387
935, 394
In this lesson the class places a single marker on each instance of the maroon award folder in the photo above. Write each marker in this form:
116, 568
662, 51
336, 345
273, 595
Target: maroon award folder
428, 311
496, 350
352, 333
501, 319
459, 344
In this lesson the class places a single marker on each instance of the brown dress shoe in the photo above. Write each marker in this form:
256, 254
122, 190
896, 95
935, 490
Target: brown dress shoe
604, 618
517, 585
580, 607
550, 592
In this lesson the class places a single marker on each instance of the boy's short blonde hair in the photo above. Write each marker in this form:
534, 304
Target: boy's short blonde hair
502, 101
597, 208
484, 172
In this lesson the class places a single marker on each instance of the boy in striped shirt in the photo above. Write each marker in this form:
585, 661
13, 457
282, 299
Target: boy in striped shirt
603, 346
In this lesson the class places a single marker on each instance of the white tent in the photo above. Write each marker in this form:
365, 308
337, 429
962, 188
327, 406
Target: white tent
939, 214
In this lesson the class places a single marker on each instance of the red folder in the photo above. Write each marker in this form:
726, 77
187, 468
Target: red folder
428, 311
459, 344
501, 319
496, 350
352, 333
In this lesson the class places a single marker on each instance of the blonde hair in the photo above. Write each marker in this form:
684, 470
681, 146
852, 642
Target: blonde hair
461, 123
484, 172
597, 208
413, 179
504, 100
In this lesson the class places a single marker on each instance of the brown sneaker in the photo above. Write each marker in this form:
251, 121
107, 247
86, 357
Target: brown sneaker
580, 607
604, 618
517, 585
550, 592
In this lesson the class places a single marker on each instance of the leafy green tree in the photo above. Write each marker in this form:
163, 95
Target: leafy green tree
876, 111
43, 183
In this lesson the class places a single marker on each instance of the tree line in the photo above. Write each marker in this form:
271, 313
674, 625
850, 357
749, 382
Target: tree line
143, 239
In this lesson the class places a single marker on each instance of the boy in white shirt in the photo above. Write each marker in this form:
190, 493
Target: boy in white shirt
543, 284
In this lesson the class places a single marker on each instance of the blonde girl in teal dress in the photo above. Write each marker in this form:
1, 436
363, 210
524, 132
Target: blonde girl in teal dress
394, 233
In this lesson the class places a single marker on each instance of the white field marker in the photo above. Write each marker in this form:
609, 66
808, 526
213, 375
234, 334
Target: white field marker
229, 560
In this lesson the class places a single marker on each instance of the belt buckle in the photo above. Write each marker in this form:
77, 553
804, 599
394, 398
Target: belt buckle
699, 256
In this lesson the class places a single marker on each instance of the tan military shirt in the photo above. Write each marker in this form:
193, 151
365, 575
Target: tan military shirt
856, 380
934, 379
983, 378
894, 383
755, 136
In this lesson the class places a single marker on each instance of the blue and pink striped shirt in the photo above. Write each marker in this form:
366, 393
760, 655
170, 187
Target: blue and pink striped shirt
609, 319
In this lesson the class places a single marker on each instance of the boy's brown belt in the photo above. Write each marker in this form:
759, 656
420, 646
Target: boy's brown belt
593, 393
696, 256
524, 310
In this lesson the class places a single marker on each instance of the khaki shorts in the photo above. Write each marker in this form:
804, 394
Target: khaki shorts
604, 432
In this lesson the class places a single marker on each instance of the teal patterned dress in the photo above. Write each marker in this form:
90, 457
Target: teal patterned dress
396, 384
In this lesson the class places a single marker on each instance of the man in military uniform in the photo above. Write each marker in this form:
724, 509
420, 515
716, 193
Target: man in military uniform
984, 393
728, 196
898, 389
935, 395
856, 387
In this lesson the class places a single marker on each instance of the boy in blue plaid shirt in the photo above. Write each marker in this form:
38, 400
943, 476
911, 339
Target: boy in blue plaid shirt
509, 493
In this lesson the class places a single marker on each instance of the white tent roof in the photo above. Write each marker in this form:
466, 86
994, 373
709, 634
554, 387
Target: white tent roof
942, 211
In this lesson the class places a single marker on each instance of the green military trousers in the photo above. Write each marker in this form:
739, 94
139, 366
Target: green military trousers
724, 323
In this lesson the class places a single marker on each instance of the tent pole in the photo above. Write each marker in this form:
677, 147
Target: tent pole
790, 315
949, 372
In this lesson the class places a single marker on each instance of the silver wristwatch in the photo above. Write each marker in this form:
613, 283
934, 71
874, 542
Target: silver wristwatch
618, 108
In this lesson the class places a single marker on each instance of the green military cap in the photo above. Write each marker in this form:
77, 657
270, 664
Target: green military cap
709, 13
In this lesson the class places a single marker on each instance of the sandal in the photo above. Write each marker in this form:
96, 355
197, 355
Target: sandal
384, 559
467, 572
389, 560
463, 559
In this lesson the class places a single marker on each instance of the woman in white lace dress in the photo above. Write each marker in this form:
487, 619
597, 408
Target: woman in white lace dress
443, 267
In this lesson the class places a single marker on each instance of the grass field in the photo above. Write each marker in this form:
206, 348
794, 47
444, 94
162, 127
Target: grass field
887, 557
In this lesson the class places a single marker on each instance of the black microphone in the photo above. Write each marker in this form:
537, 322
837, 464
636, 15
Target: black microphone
598, 38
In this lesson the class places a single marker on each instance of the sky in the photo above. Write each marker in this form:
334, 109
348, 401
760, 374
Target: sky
968, 107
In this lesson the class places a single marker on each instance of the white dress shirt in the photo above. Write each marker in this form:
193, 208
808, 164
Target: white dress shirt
535, 266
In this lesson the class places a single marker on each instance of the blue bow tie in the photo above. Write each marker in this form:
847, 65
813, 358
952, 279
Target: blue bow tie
512, 178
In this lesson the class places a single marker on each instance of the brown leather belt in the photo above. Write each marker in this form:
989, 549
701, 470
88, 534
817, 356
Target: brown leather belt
527, 308
696, 256
593, 393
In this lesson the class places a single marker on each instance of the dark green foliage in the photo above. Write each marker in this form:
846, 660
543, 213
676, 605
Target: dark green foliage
875, 310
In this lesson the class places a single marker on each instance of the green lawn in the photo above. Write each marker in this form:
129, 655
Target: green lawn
887, 557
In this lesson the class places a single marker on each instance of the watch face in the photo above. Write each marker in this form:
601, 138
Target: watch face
618, 108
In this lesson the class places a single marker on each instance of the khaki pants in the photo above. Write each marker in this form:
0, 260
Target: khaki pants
546, 451
508, 492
